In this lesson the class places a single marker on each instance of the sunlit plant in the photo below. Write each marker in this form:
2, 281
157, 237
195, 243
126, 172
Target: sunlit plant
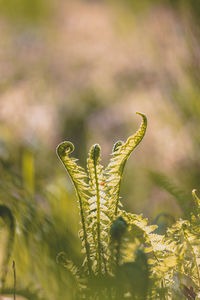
124, 257
107, 232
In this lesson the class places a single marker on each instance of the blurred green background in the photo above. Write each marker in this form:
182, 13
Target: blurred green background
78, 71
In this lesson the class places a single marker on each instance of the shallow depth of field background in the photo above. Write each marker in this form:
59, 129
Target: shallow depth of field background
78, 71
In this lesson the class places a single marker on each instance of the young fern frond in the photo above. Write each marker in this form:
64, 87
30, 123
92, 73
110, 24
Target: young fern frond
93, 168
78, 177
115, 168
98, 202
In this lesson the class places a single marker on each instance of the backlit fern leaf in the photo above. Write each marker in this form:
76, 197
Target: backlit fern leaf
183, 243
160, 255
143, 232
120, 155
78, 177
182, 239
98, 218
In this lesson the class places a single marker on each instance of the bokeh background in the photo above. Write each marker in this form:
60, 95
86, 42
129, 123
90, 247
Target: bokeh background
78, 71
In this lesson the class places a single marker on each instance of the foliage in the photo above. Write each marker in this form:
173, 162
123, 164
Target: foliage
124, 257
40, 231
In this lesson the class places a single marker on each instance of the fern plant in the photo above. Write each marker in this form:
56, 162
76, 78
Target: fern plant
109, 235
124, 257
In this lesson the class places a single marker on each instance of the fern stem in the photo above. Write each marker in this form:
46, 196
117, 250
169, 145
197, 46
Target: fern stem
117, 202
87, 247
98, 216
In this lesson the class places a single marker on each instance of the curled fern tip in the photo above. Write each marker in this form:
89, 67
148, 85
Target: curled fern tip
143, 116
95, 152
117, 145
64, 148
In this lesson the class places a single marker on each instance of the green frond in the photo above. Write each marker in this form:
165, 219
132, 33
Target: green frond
140, 233
183, 238
78, 177
76, 173
140, 228
120, 155
167, 184
98, 218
